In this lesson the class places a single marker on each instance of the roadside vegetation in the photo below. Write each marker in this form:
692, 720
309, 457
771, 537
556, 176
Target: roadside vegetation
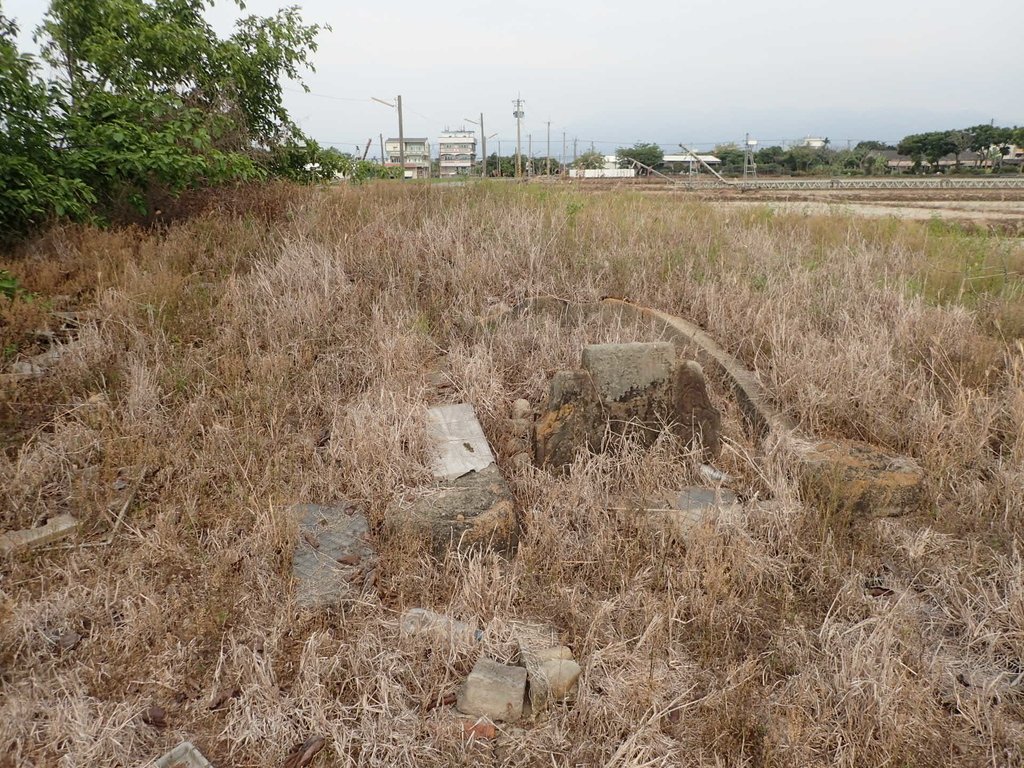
280, 345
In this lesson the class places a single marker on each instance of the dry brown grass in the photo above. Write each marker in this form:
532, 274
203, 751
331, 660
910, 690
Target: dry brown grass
240, 362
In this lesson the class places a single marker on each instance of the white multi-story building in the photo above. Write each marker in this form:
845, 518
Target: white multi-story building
456, 152
417, 156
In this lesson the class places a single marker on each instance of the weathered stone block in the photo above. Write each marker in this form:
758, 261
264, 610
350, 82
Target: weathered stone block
473, 508
634, 390
472, 511
185, 755
855, 477
333, 557
493, 690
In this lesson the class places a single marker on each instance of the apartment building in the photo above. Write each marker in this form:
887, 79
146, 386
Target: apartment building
417, 156
457, 152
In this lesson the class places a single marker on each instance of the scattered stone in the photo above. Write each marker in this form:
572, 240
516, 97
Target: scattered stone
493, 690
522, 410
473, 509
223, 696
481, 729
155, 716
68, 641
417, 621
682, 512
56, 528
302, 754
185, 755
332, 553
633, 390
552, 673
858, 478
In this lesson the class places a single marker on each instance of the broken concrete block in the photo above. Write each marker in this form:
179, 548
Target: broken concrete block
631, 390
493, 690
56, 528
185, 755
474, 507
333, 558
858, 478
417, 621
459, 445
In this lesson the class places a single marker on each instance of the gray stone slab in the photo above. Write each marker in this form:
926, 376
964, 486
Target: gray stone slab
333, 558
681, 512
459, 442
622, 370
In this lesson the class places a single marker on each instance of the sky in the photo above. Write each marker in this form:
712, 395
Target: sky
697, 72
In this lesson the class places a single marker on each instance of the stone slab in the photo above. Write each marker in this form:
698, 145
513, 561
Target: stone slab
56, 528
185, 755
681, 512
333, 556
551, 673
493, 690
459, 444
622, 371
421, 621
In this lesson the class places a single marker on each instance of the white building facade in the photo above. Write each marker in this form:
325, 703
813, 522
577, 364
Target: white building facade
456, 153
417, 156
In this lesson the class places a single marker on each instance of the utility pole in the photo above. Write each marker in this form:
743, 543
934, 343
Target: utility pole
383, 157
529, 143
483, 148
547, 156
574, 150
562, 158
401, 130
499, 158
518, 115
401, 138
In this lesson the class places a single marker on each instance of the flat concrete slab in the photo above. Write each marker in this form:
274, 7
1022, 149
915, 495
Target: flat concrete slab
333, 558
459, 444
681, 512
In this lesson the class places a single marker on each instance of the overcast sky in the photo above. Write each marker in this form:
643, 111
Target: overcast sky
698, 72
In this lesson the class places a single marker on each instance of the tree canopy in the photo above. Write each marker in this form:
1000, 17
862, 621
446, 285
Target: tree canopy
645, 153
142, 99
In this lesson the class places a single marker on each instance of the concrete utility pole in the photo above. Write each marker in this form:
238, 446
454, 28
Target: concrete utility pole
547, 157
562, 158
483, 148
401, 131
401, 138
519, 115
383, 157
529, 144
574, 150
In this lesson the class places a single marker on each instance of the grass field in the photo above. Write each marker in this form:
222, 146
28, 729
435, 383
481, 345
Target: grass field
282, 347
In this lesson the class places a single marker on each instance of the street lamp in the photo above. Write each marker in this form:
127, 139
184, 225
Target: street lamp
397, 104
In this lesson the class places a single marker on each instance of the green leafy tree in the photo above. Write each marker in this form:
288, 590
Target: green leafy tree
32, 187
144, 100
645, 153
590, 161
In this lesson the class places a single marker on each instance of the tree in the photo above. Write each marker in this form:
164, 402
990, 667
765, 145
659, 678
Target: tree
729, 154
144, 100
647, 154
590, 161
32, 188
